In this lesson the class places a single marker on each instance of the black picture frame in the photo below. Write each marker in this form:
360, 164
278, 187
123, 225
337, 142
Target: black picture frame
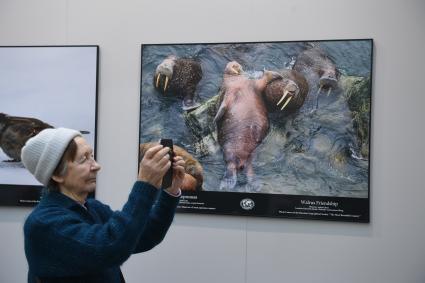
314, 163
56, 84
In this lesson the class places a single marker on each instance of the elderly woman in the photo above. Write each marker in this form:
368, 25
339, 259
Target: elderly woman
72, 238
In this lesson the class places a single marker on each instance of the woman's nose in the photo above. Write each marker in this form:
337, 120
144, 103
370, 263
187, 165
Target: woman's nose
95, 166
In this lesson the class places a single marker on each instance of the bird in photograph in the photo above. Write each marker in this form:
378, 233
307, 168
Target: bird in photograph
15, 131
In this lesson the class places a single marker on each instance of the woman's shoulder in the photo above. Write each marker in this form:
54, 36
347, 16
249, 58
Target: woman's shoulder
44, 218
43, 213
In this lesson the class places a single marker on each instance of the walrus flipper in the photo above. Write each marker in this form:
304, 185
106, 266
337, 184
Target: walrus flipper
253, 186
268, 77
273, 75
228, 182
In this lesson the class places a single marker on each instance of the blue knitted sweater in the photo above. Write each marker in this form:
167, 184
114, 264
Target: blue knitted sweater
65, 242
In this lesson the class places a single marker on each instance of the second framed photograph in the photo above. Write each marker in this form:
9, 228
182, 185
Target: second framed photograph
42, 87
273, 129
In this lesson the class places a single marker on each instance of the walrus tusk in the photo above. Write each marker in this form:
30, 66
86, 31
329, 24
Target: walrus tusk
157, 80
319, 90
329, 91
283, 97
286, 103
166, 82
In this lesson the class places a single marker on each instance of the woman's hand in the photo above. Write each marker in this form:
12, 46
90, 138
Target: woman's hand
154, 165
178, 175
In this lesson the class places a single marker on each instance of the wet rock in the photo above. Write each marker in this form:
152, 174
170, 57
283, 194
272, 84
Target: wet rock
201, 124
357, 91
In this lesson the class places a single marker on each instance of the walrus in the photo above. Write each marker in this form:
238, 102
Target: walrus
179, 76
319, 70
286, 94
194, 178
15, 131
242, 122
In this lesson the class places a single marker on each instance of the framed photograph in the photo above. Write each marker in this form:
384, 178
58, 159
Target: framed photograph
273, 129
42, 87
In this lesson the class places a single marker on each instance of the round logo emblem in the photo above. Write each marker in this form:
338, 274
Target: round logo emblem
247, 204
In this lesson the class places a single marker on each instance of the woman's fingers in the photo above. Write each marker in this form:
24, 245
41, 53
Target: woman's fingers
163, 168
163, 161
151, 152
178, 159
179, 164
159, 155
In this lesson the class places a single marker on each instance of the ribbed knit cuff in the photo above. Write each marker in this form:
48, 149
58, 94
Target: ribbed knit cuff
167, 200
179, 193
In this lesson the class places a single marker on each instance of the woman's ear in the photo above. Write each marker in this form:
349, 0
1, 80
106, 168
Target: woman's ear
57, 179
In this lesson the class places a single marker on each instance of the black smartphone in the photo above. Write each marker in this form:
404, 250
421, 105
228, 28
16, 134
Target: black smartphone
167, 180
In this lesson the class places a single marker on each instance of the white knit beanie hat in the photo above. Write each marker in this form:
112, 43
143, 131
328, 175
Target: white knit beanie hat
43, 152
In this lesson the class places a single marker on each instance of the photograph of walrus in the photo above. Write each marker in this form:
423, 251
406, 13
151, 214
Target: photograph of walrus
41, 87
276, 129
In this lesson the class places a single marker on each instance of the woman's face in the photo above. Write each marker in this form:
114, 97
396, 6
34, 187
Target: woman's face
80, 175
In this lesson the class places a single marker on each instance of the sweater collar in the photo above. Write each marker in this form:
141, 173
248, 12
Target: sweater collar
57, 198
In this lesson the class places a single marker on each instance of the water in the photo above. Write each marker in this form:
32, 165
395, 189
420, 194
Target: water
308, 153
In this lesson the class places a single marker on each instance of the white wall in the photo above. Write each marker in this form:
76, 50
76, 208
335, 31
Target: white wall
390, 249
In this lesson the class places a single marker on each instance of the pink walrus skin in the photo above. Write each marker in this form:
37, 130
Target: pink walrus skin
242, 122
